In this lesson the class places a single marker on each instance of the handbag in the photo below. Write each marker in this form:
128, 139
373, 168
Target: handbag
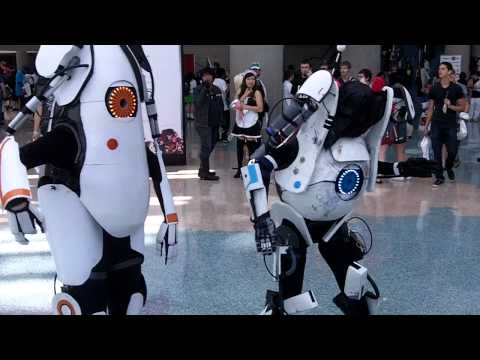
426, 146
462, 132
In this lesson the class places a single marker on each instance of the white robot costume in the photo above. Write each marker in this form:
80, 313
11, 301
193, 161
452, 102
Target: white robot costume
323, 147
94, 195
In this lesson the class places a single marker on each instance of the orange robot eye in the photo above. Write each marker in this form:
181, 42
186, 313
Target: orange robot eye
122, 101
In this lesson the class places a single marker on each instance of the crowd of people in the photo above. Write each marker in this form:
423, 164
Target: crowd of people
443, 97
207, 99
209, 103
16, 88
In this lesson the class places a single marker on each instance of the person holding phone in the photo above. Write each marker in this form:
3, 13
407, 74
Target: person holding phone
446, 100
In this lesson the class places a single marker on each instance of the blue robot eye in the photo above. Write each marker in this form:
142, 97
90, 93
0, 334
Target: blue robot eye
349, 182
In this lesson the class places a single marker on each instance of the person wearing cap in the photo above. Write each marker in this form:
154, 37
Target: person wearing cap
223, 86
256, 67
209, 106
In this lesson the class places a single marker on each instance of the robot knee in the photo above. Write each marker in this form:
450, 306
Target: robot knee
289, 236
346, 245
296, 252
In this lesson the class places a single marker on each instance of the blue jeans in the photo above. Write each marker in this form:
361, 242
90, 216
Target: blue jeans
441, 135
208, 140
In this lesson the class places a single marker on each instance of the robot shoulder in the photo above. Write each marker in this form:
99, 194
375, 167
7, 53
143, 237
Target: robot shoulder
350, 149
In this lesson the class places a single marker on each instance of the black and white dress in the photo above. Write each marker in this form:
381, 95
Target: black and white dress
248, 123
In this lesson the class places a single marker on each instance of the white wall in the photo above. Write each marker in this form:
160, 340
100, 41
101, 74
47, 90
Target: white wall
218, 53
271, 59
166, 65
363, 56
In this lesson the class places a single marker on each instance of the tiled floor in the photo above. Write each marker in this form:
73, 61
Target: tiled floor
424, 258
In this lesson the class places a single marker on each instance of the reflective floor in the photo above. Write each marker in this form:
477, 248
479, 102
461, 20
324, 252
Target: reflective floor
424, 257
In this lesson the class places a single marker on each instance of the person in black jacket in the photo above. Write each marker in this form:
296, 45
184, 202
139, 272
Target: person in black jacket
208, 102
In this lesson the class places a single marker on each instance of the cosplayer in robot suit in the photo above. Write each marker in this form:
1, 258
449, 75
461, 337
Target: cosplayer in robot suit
94, 195
323, 148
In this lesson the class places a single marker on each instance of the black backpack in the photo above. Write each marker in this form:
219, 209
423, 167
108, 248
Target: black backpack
359, 108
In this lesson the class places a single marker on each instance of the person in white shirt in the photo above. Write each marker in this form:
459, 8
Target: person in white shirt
288, 76
191, 84
223, 86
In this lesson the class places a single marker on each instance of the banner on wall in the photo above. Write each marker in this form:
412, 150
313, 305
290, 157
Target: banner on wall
166, 63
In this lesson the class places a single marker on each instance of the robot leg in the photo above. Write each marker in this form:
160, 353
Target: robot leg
292, 251
341, 254
75, 241
292, 263
126, 284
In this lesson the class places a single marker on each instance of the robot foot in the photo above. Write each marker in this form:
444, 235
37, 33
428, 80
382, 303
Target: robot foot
367, 305
64, 304
135, 305
90, 298
273, 306
128, 291
291, 306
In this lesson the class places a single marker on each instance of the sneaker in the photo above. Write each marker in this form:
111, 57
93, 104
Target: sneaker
438, 182
237, 175
451, 175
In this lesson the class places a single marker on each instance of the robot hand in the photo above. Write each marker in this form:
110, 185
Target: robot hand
167, 236
418, 167
265, 234
22, 221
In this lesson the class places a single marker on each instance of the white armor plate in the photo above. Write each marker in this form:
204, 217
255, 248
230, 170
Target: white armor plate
75, 239
13, 174
312, 134
320, 201
47, 61
115, 171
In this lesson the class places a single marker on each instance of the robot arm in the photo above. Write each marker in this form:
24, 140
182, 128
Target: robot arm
168, 230
256, 179
255, 175
15, 192
167, 234
58, 64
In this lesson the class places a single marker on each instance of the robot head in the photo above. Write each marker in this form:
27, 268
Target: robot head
283, 127
295, 112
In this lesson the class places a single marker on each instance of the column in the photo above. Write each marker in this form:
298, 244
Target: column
271, 59
464, 50
363, 56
